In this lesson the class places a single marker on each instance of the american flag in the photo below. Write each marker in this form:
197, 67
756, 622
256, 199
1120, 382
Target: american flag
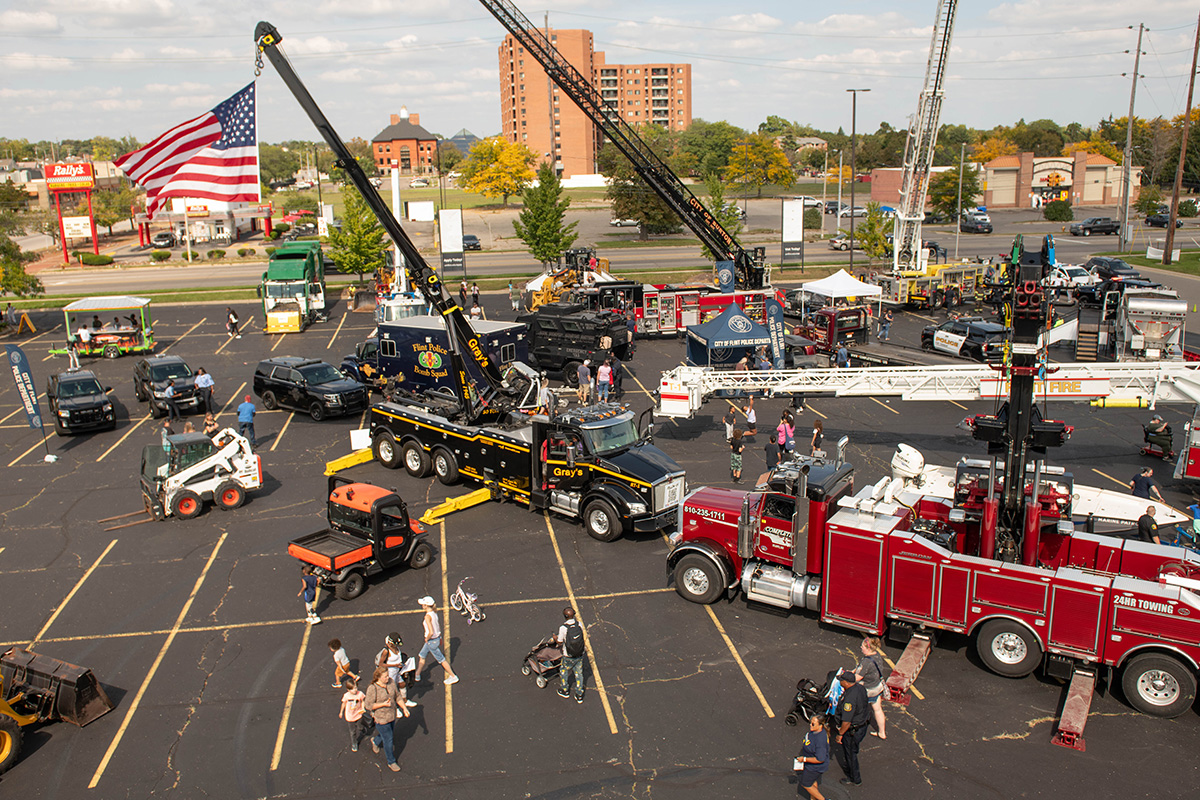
211, 157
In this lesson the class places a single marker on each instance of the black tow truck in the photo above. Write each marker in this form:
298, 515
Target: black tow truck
592, 464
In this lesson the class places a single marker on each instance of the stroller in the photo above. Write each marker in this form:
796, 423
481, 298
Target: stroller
543, 660
811, 698
1158, 445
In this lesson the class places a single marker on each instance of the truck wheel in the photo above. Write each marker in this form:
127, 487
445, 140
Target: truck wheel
58, 427
351, 587
1087, 231
156, 410
269, 401
1007, 648
229, 495
698, 579
187, 504
384, 448
602, 521
422, 556
416, 460
316, 411
570, 374
10, 742
1158, 685
445, 467
139, 392
112, 351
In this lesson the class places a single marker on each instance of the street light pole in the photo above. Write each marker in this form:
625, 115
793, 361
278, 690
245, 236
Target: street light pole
962, 154
853, 170
1127, 165
839, 208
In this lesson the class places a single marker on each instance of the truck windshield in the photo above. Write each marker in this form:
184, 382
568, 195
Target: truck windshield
81, 388
284, 290
612, 434
320, 373
166, 372
349, 520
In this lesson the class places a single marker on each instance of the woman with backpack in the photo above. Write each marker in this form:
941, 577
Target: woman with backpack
870, 671
570, 637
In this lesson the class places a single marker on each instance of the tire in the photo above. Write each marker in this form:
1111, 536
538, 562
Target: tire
11, 737
269, 401
229, 495
422, 556
416, 460
927, 346
385, 450
445, 467
526, 669
541, 681
1087, 231
139, 391
698, 579
601, 521
58, 427
1007, 648
570, 374
187, 504
455, 602
112, 351
1158, 685
157, 411
791, 719
350, 588
316, 411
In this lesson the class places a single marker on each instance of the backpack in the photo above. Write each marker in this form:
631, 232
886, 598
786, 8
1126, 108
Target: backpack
573, 646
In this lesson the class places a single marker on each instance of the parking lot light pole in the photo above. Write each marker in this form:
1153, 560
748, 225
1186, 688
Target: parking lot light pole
837, 214
853, 170
962, 154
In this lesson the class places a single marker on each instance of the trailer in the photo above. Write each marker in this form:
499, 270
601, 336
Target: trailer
125, 333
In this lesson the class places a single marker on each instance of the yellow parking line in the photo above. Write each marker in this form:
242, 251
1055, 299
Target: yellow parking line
1098, 472
339, 330
282, 431
233, 397
885, 405
960, 405
185, 333
446, 634
30, 450
137, 700
71, 594
136, 425
41, 396
278, 342
738, 658
40, 335
291, 696
587, 639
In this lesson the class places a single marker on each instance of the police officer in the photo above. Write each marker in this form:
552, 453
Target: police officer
850, 726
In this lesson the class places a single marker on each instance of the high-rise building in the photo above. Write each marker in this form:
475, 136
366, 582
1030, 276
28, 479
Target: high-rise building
537, 114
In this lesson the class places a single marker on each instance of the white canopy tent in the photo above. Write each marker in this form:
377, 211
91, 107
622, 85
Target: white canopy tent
841, 285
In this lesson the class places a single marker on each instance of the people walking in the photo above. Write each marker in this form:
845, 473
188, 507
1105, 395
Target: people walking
382, 701
570, 638
462, 293
870, 674
843, 356
603, 380
308, 591
475, 294
786, 433
514, 296
772, 451
433, 643
813, 760
204, 385
850, 726
169, 400
211, 426
751, 417
584, 374
735, 455
1148, 527
353, 710
394, 659
618, 376
730, 419
885, 325
818, 436
341, 663
1144, 485
246, 414
232, 322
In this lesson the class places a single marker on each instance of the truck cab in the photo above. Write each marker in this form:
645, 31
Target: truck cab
828, 327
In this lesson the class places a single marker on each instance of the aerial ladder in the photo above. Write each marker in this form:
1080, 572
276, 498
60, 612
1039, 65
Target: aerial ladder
749, 270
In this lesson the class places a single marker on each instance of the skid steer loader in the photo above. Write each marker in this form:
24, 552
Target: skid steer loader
189, 468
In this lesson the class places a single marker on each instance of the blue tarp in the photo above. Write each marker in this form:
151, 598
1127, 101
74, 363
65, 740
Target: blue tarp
723, 340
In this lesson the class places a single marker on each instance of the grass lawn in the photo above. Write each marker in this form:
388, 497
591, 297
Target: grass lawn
1188, 263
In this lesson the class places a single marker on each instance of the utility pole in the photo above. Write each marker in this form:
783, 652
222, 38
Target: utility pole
962, 154
1187, 119
1127, 167
853, 170
838, 213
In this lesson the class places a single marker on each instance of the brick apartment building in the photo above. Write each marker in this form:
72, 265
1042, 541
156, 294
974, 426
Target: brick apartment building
535, 113
404, 140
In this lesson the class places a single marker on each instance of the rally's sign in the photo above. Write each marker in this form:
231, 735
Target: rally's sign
77, 227
69, 177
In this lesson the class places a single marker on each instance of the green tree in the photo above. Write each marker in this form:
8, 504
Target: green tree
1058, 211
112, 205
276, 163
943, 190
359, 246
872, 232
1041, 137
299, 201
629, 195
359, 148
705, 147
1149, 199
12, 197
756, 161
449, 156
541, 224
720, 208
497, 167
13, 277
950, 140
884, 148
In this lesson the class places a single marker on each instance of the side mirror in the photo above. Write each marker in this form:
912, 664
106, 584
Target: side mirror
107, 389
571, 456
258, 292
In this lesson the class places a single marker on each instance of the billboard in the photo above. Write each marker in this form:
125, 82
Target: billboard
793, 230
69, 177
77, 227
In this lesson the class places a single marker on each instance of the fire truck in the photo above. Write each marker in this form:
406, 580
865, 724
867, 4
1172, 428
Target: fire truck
669, 309
1000, 561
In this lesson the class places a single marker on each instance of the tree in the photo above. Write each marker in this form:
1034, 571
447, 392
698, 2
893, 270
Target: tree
756, 161
993, 147
1095, 144
943, 190
12, 197
298, 201
13, 277
358, 247
722, 210
540, 225
1149, 199
276, 163
705, 147
1041, 137
884, 148
112, 205
359, 148
497, 167
872, 232
629, 195
449, 156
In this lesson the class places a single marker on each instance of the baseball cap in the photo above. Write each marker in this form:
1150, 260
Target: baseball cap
425, 601
846, 675
394, 639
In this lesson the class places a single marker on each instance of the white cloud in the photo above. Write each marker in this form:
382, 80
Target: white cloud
29, 22
729, 83
202, 102
32, 61
315, 45
402, 42
353, 75
185, 86
119, 105
1082, 13
127, 54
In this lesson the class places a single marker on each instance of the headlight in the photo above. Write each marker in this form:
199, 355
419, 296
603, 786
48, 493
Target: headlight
675, 539
637, 508
65, 414
334, 399
106, 407
160, 395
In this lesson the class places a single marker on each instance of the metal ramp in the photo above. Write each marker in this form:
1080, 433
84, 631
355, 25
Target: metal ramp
905, 673
1075, 710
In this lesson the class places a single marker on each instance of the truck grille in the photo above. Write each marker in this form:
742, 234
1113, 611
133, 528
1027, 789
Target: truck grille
356, 401
669, 493
87, 415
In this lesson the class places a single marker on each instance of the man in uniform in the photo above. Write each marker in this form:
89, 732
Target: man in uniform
1148, 527
850, 726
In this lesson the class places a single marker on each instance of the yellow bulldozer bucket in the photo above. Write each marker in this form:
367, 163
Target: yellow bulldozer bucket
53, 689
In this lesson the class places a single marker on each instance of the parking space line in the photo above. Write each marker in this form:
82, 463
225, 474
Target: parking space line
742, 664
232, 397
1098, 472
278, 342
30, 450
116, 444
71, 594
446, 634
185, 333
282, 431
885, 405
291, 695
960, 405
587, 639
339, 330
808, 407
19, 409
40, 335
137, 700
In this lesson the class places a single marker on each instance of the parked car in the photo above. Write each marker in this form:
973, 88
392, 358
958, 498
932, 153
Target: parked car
307, 384
1094, 295
857, 211
1105, 225
973, 224
936, 218
1161, 220
935, 250
842, 242
163, 239
79, 403
150, 377
809, 202
1105, 267
624, 223
737, 210
1070, 276
471, 242
833, 206
418, 183
969, 337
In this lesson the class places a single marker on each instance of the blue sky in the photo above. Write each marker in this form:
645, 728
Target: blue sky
78, 68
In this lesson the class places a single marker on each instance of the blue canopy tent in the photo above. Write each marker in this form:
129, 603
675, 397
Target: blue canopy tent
724, 339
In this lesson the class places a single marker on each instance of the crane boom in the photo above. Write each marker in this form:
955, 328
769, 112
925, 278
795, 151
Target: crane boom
477, 401
918, 150
748, 266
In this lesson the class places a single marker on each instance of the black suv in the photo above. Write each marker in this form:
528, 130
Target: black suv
79, 403
163, 239
974, 225
1094, 295
150, 376
471, 242
307, 384
967, 337
1105, 267
1161, 220
1091, 225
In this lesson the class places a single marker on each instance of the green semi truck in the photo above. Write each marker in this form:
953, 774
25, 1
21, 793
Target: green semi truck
293, 287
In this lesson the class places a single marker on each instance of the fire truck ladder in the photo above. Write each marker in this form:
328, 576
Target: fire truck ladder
918, 151
748, 266
683, 390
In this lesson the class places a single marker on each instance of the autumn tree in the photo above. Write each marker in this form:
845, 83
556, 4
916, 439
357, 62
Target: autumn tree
992, 147
497, 167
1094, 144
541, 225
756, 161
943, 190
358, 246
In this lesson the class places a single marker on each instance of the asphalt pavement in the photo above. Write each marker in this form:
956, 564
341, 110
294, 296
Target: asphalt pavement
222, 690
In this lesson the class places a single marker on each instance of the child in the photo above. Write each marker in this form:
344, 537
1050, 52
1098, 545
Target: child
735, 455
352, 711
308, 590
341, 663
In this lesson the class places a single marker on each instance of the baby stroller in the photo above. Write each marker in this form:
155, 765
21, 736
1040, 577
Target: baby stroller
811, 698
543, 660
1158, 445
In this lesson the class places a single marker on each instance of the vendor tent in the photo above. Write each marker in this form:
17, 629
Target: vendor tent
840, 286
723, 340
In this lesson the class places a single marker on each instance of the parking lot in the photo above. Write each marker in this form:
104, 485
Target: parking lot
222, 690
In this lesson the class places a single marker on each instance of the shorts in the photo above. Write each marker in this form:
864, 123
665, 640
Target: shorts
735, 460
810, 777
433, 647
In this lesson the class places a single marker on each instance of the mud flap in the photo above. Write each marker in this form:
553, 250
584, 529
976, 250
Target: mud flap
55, 689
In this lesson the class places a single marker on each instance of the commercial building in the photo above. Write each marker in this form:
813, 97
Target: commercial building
407, 143
535, 112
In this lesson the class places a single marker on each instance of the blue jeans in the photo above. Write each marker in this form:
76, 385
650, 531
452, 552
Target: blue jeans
247, 429
384, 738
571, 666
602, 391
885, 330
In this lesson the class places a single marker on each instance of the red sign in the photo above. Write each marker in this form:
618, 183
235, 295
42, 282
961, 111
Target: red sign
197, 211
69, 177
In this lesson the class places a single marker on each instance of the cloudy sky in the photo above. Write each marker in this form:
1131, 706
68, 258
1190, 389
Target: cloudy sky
79, 68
